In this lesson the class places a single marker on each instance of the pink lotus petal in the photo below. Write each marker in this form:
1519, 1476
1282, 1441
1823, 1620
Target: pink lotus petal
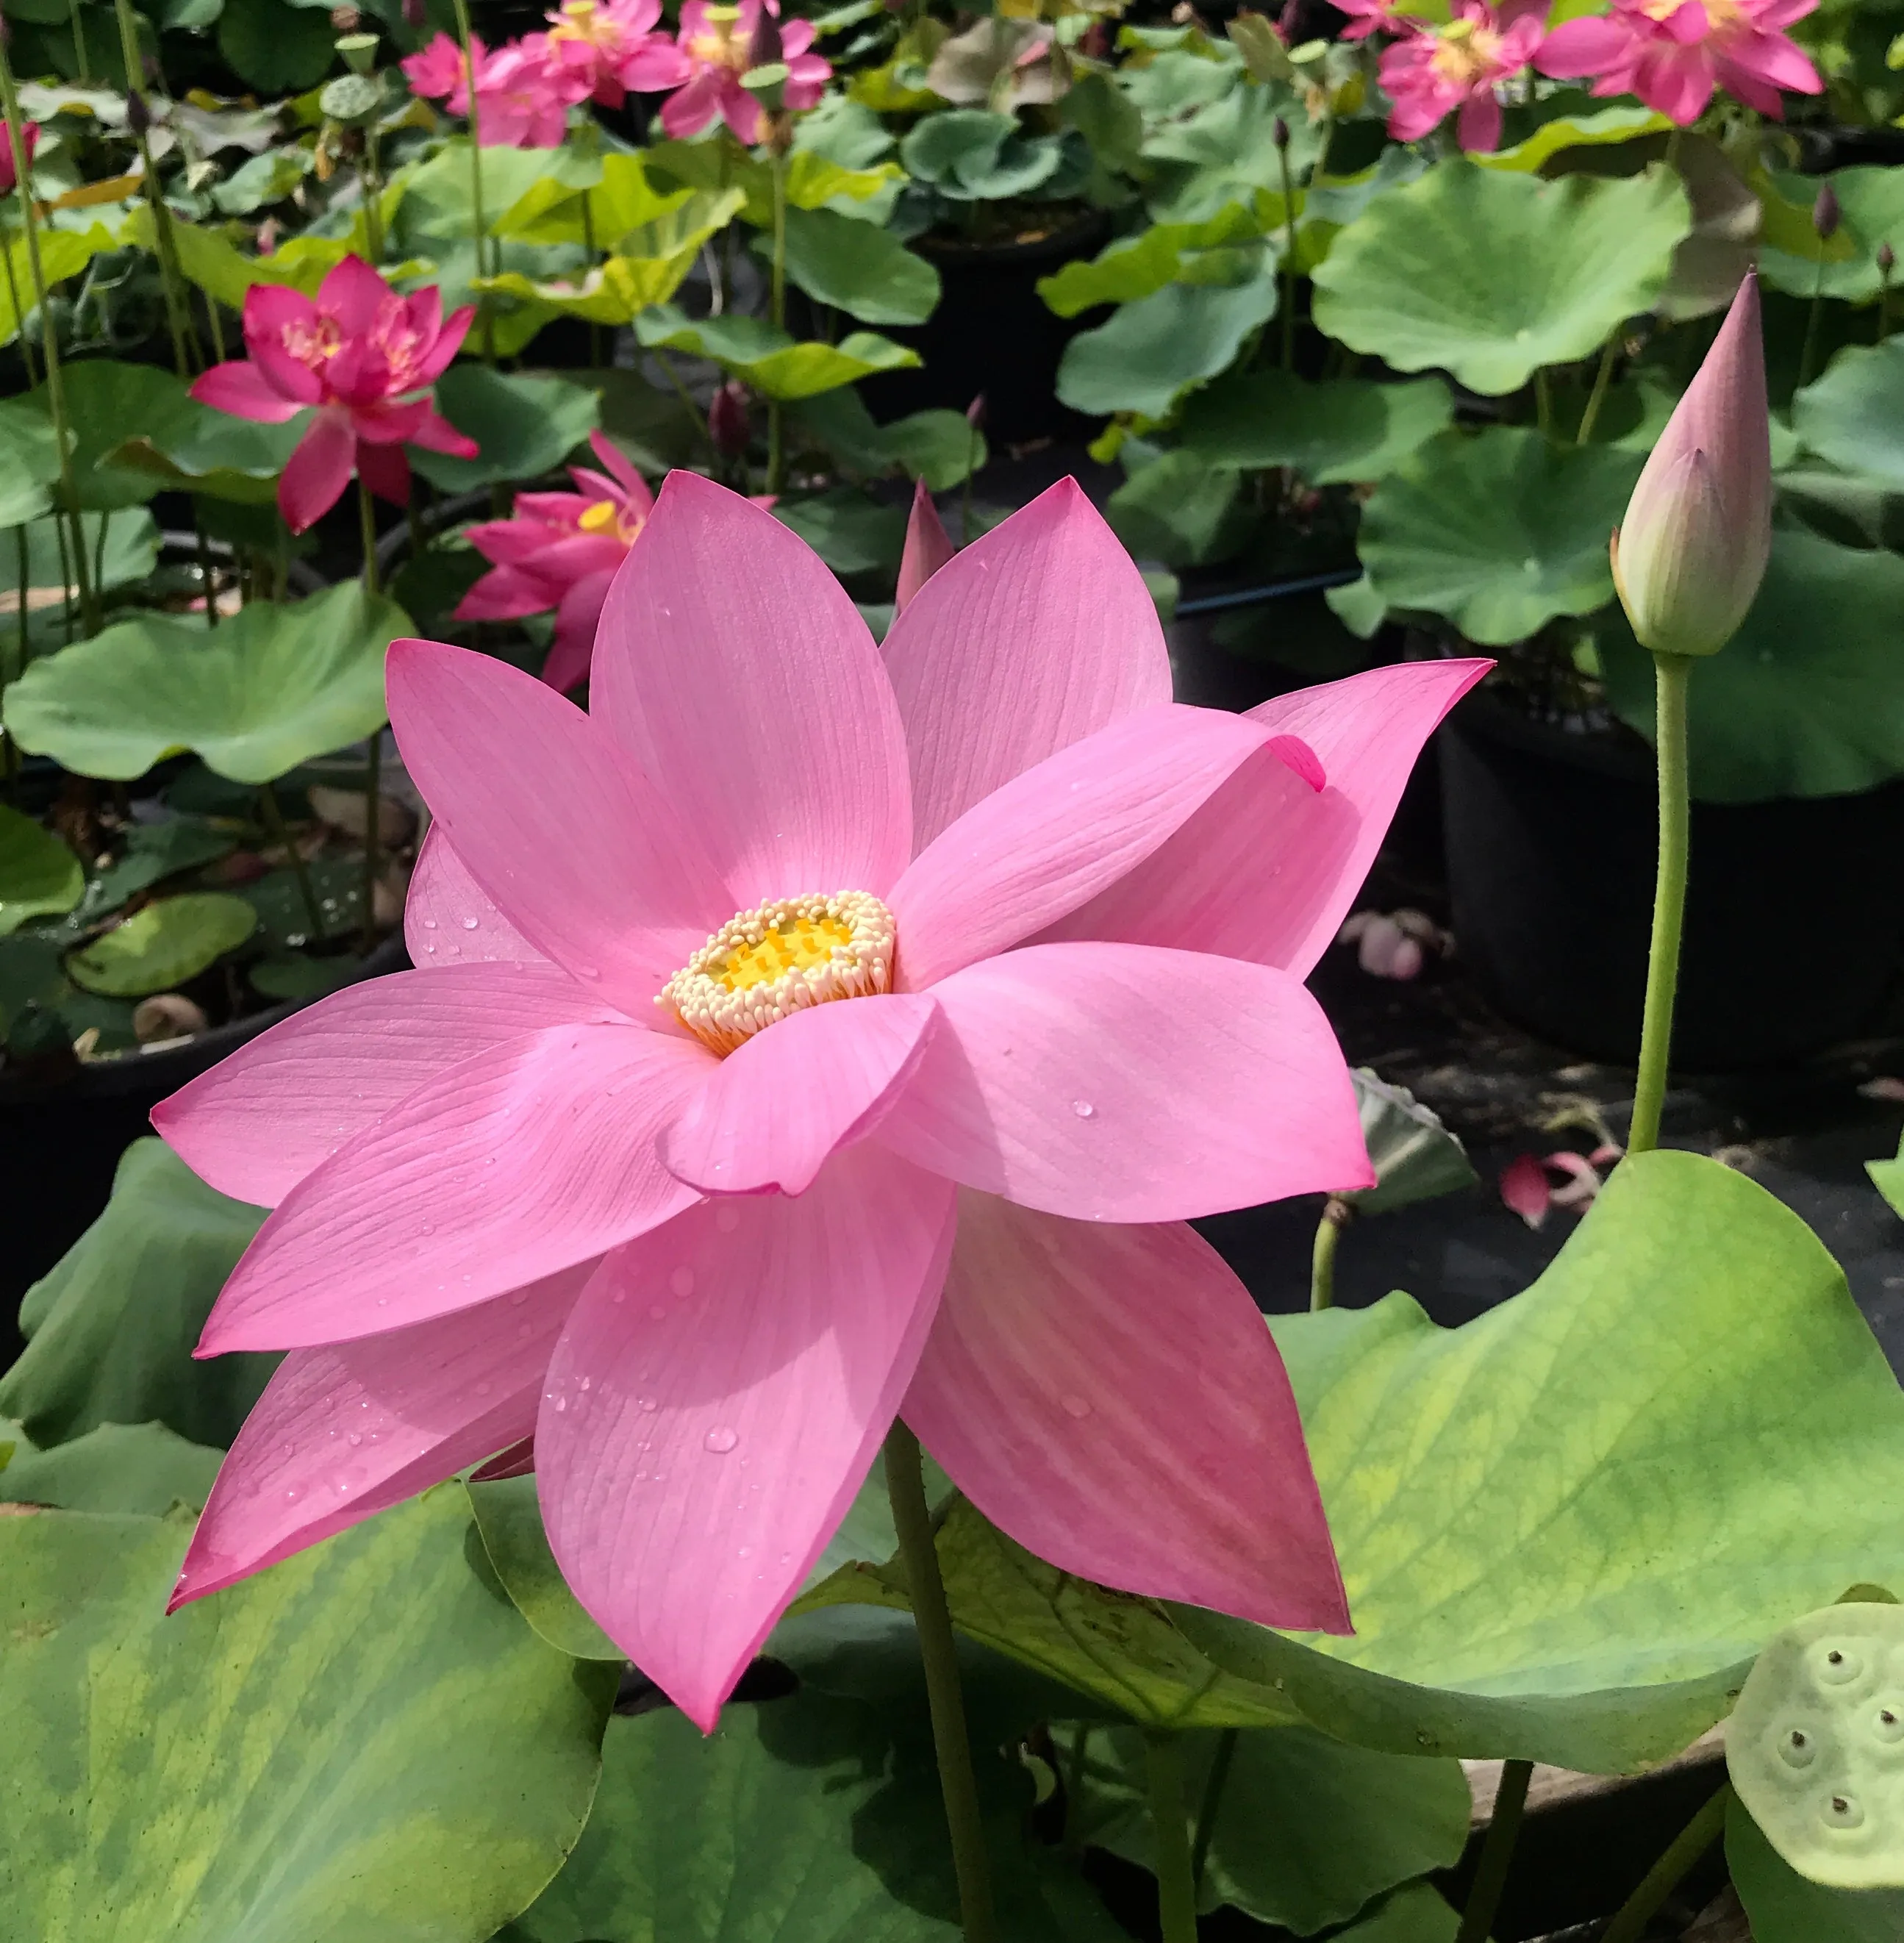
351, 1428
242, 389
385, 471
279, 1107
521, 1161
1116, 1082
1034, 636
1297, 755
314, 479
927, 548
1523, 1188
271, 311
450, 918
774, 1109
353, 293
503, 593
1058, 832
449, 336
436, 434
741, 1366
388, 421
621, 469
578, 620
731, 665
1267, 869
567, 836
1583, 1182
518, 1461
1111, 1397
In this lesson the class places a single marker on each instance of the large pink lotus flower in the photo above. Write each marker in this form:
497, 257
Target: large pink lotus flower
704, 63
365, 359
599, 49
1672, 54
803, 1035
522, 94
561, 550
1431, 73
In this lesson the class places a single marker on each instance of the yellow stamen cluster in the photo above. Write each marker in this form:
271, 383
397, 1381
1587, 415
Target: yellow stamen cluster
603, 515
1466, 53
778, 959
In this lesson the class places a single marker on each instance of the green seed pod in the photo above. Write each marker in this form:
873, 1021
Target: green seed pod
1816, 1745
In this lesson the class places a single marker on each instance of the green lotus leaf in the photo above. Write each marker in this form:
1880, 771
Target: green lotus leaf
936, 445
64, 253
1791, 707
1786, 1907
1414, 1156
614, 291
1308, 1832
972, 155
809, 1816
1595, 127
119, 1467
280, 50
160, 947
123, 547
30, 461
291, 974
222, 270
1416, 1913
254, 697
525, 423
110, 1329
365, 1741
1567, 1527
1138, 266
1499, 530
1490, 275
39, 876
177, 441
1337, 430
1854, 415
1180, 510
1150, 351
769, 359
857, 267
1812, 1746
1887, 1176
155, 852
510, 1520
107, 402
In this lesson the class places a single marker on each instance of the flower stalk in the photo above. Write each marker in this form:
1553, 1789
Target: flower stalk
1496, 1853
56, 395
776, 449
1672, 675
912, 1519
178, 313
1170, 1830
1630, 1920
1337, 1214
372, 775
486, 323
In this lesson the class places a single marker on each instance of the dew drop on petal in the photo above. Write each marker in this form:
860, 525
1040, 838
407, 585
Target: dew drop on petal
647, 1403
470, 923
1083, 1109
682, 1281
721, 1440
357, 1437
725, 1219
1075, 1405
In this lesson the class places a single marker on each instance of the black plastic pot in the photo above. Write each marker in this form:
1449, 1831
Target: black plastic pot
1794, 910
992, 334
61, 1140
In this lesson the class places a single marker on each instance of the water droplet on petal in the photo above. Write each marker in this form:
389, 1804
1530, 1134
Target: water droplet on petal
647, 1403
725, 1219
682, 1281
357, 1437
1083, 1109
1075, 1405
721, 1440
470, 923
561, 1404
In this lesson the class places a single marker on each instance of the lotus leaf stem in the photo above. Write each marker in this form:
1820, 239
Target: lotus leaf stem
1206, 1811
1602, 379
1665, 1876
1496, 1852
274, 817
1337, 1214
178, 308
776, 453
1170, 1830
912, 1519
1672, 675
485, 320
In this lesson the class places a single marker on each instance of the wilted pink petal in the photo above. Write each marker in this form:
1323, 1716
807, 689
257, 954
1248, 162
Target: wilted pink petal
927, 548
1582, 1183
1087, 1080
1033, 637
733, 668
519, 1162
1523, 1188
258, 1122
350, 1428
774, 1109
1111, 1397
716, 1399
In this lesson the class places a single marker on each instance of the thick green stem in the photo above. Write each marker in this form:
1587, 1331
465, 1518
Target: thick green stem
1602, 378
1206, 1811
486, 324
373, 779
274, 819
178, 304
56, 392
1544, 402
76, 15
1337, 1214
19, 613
372, 177
1288, 259
1672, 674
1665, 1876
912, 1519
1170, 1830
1496, 1852
776, 454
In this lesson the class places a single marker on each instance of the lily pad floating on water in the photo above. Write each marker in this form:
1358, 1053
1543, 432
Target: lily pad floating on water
160, 947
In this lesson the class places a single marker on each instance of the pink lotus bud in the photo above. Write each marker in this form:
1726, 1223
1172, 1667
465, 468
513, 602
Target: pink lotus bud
1689, 556
975, 413
927, 548
1825, 213
727, 421
415, 16
765, 49
1887, 261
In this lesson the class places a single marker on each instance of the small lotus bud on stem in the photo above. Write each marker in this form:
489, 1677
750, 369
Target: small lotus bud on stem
928, 548
1887, 260
416, 16
975, 413
1825, 213
1688, 558
728, 428
764, 49
139, 115
346, 20
1280, 129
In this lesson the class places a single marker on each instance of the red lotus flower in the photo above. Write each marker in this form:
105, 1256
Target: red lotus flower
596, 47
522, 99
561, 550
1672, 54
365, 359
1433, 71
9, 172
705, 63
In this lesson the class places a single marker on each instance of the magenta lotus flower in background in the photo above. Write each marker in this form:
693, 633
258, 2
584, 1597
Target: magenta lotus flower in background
1367, 17
808, 1034
1688, 558
599, 49
437, 72
1672, 54
1460, 67
364, 358
561, 550
927, 549
522, 94
29, 135
704, 64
